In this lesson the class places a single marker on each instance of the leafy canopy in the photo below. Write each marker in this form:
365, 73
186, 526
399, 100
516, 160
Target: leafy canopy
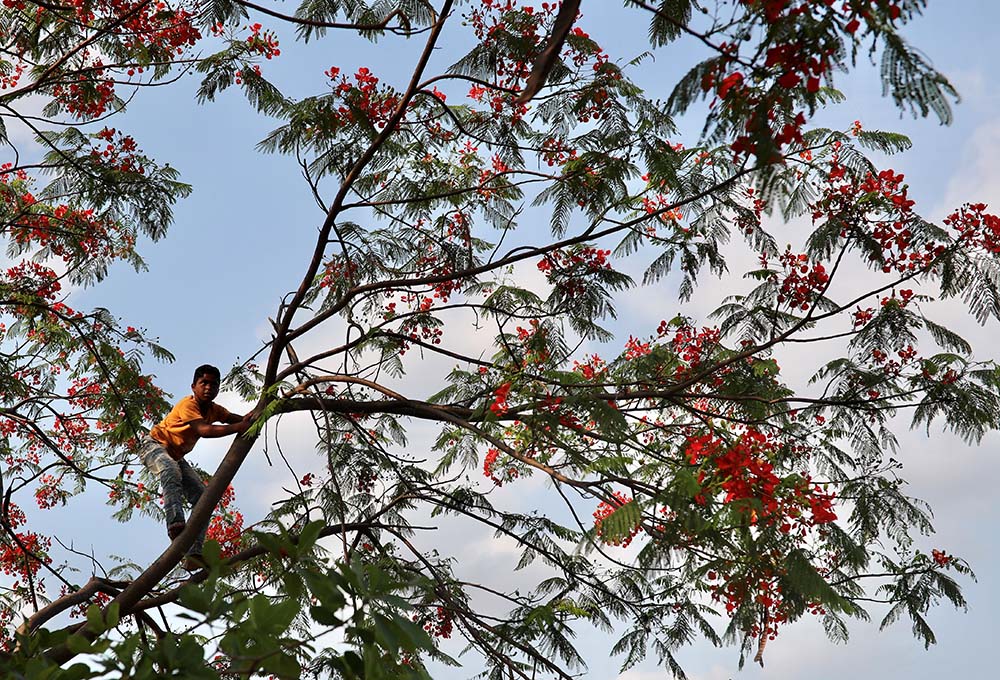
479, 225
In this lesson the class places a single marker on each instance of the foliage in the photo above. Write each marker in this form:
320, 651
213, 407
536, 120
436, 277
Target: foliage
727, 500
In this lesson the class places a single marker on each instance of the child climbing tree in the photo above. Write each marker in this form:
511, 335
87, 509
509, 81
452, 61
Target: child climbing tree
519, 190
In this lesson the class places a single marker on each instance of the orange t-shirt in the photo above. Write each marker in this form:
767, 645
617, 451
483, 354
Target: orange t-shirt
175, 431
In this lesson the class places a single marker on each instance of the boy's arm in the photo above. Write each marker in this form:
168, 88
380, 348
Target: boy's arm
210, 431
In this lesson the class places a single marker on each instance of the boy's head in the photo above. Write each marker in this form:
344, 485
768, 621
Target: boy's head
205, 384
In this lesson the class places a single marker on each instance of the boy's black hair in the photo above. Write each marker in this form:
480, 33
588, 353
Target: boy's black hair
206, 368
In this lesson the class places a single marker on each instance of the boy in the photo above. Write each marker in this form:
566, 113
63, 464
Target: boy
164, 448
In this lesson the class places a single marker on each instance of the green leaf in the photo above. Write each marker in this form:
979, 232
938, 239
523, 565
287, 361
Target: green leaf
95, 619
111, 615
668, 21
194, 598
804, 578
325, 616
686, 483
282, 665
912, 81
310, 533
885, 142
765, 368
621, 523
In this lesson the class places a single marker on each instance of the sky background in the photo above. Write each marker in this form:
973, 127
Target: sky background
242, 239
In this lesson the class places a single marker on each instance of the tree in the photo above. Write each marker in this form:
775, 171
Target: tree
524, 209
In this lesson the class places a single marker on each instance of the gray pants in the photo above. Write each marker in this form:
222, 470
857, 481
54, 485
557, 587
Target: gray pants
178, 481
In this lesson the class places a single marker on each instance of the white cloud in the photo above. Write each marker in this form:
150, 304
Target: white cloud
716, 672
978, 178
20, 134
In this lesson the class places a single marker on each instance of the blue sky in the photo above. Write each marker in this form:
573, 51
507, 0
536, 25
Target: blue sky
242, 238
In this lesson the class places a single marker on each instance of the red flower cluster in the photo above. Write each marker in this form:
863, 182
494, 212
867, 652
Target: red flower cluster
894, 235
238, 76
488, 187
415, 330
489, 462
89, 95
802, 282
432, 265
367, 476
502, 21
22, 553
976, 227
879, 207
226, 525
601, 513
566, 269
142, 27
51, 228
339, 271
69, 232
499, 406
862, 316
592, 259
84, 393
660, 204
763, 589
556, 152
490, 467
120, 152
892, 367
635, 349
50, 492
441, 625
376, 104
691, 345
144, 24
533, 342
263, 42
80, 611
594, 367
743, 472
796, 62
137, 498
34, 279
10, 80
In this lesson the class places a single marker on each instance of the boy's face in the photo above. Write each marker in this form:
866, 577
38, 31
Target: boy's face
205, 388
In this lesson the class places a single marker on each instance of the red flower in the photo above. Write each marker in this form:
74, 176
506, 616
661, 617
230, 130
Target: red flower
604, 509
790, 80
499, 405
733, 80
488, 463
940, 558
822, 508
